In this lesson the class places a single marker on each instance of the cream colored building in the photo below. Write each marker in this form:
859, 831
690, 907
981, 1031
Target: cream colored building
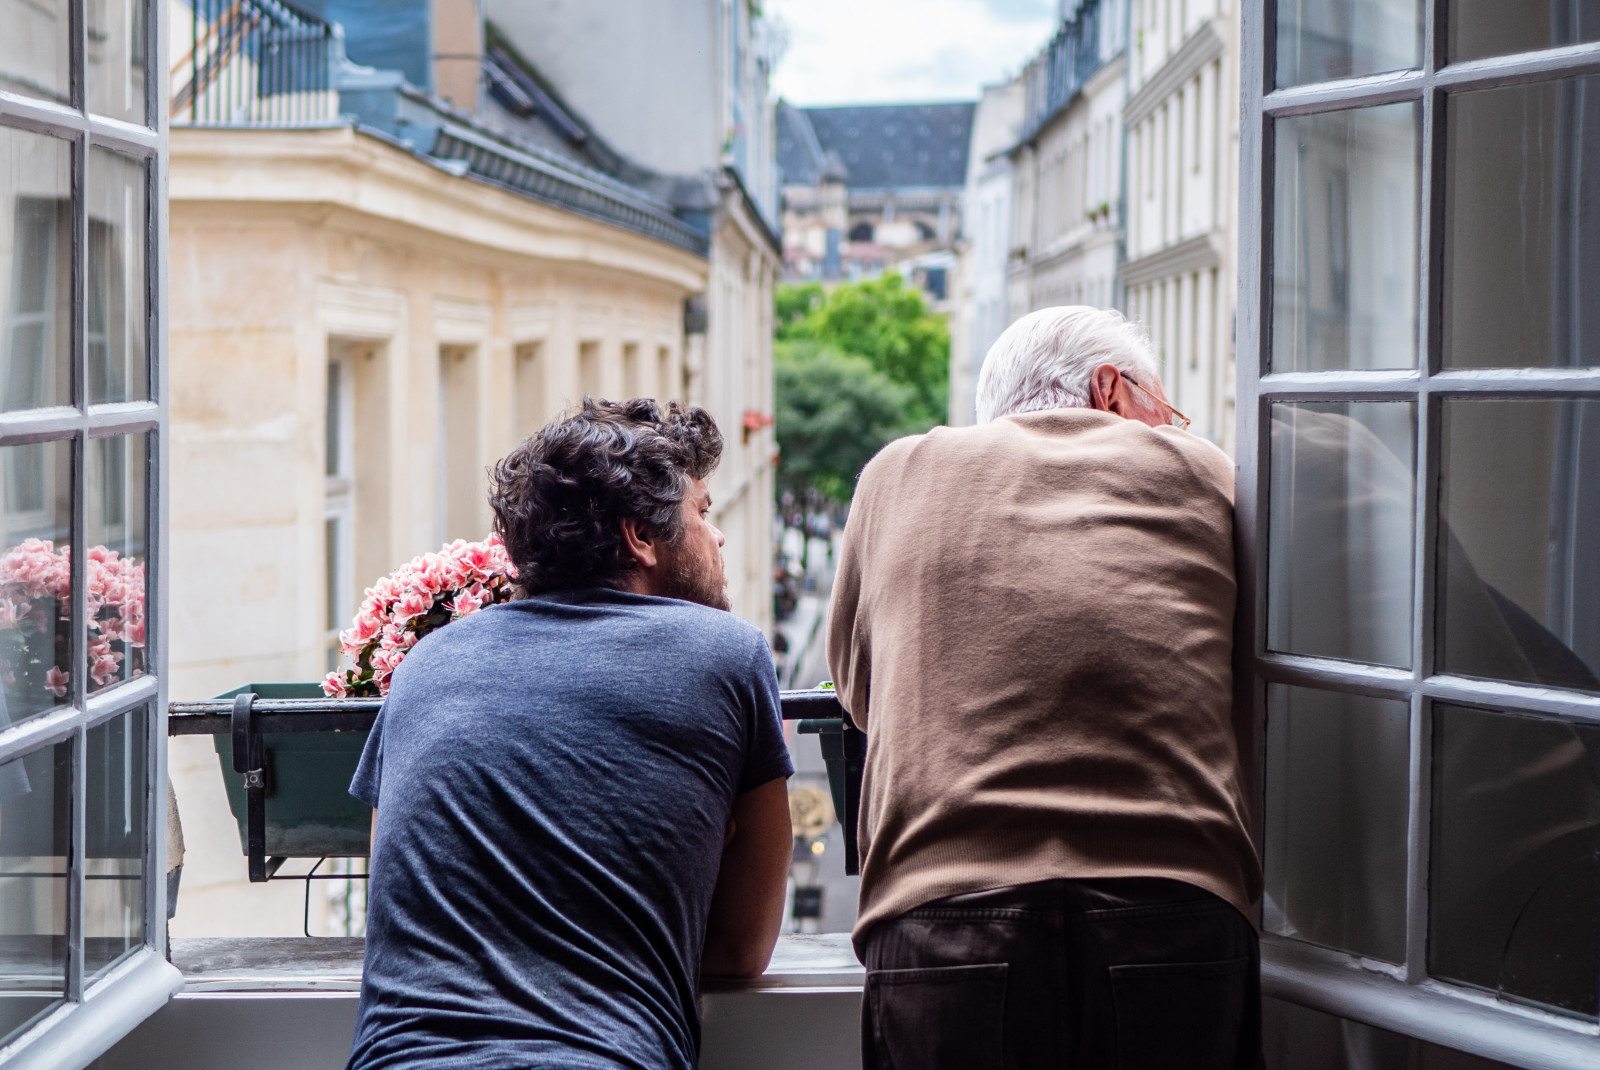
360, 325
1067, 168
1179, 275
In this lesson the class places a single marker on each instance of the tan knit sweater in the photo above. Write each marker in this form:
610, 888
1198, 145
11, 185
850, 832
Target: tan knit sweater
1032, 621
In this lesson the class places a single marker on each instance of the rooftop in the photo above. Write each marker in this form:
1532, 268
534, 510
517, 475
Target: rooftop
885, 146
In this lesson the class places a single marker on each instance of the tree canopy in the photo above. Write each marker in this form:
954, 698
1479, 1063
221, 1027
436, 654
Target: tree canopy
834, 411
882, 321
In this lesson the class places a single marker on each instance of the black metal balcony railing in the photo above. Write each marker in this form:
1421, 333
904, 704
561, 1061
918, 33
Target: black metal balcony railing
249, 719
256, 62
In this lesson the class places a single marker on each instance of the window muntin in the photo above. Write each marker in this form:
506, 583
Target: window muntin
1319, 40
1339, 531
35, 852
1345, 253
1521, 245
36, 259
1519, 540
35, 50
1481, 28
1335, 844
1516, 857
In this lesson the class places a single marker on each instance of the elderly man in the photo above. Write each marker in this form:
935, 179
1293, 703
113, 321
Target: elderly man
1032, 622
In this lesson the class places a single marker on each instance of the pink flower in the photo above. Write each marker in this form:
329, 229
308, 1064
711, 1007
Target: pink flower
56, 681
334, 685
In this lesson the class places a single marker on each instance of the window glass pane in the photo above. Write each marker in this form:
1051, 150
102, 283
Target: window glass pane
1320, 40
35, 579
113, 893
1337, 770
1521, 235
118, 295
116, 58
34, 58
35, 269
1344, 286
35, 841
1480, 28
1519, 541
1515, 888
1299, 1038
116, 537
1339, 553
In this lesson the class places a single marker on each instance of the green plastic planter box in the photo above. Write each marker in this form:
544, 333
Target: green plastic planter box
310, 812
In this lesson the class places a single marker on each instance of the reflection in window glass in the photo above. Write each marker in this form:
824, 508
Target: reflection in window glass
1320, 40
116, 537
1299, 1038
35, 839
35, 269
115, 61
1336, 820
1521, 244
1480, 28
1515, 888
1339, 552
34, 57
1519, 541
35, 579
119, 295
1344, 285
113, 891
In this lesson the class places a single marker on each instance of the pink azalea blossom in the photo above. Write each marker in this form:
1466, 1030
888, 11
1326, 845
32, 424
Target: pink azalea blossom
55, 681
461, 576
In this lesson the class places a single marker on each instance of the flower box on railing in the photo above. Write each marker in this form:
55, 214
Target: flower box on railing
289, 783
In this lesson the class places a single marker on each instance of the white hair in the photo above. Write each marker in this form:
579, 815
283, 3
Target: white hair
1046, 359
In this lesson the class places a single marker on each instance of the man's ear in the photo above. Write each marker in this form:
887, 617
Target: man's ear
639, 544
1106, 390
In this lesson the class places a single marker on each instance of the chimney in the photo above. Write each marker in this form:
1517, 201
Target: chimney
458, 52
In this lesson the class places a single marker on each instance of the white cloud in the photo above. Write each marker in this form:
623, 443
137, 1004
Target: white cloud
896, 51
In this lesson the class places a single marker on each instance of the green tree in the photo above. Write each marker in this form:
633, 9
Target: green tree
882, 320
834, 411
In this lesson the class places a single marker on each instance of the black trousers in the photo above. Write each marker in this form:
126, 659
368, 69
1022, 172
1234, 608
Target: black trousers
1124, 974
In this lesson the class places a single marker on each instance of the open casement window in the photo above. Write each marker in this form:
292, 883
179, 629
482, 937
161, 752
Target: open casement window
83, 884
1419, 500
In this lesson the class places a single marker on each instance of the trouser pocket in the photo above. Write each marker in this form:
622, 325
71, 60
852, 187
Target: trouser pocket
1180, 1014
940, 1018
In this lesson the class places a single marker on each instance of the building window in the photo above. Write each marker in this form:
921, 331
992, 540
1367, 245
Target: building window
338, 524
666, 386
589, 369
82, 740
461, 487
630, 370
1419, 496
529, 388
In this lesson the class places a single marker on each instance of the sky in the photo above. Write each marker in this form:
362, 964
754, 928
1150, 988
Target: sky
900, 51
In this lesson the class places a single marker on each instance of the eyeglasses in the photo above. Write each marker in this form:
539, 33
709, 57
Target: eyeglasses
1179, 420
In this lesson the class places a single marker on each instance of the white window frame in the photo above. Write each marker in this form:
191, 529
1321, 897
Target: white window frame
1402, 999
96, 1014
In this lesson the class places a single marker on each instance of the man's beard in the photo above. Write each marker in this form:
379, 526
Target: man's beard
696, 579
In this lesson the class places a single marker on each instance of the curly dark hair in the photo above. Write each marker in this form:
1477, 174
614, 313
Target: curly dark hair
558, 497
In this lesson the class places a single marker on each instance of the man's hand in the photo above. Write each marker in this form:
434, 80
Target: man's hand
747, 906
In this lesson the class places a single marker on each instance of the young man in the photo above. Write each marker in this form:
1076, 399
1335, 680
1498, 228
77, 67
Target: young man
580, 795
1032, 621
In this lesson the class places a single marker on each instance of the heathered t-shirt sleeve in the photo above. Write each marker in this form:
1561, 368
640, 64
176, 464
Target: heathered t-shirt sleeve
766, 755
369, 771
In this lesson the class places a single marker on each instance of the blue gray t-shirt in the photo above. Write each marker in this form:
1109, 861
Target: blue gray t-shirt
553, 780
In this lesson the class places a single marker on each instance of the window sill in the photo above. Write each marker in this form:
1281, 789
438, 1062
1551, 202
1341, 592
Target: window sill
79, 1033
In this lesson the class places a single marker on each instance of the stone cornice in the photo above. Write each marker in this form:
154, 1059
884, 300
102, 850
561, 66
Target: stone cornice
1200, 253
349, 172
1203, 46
